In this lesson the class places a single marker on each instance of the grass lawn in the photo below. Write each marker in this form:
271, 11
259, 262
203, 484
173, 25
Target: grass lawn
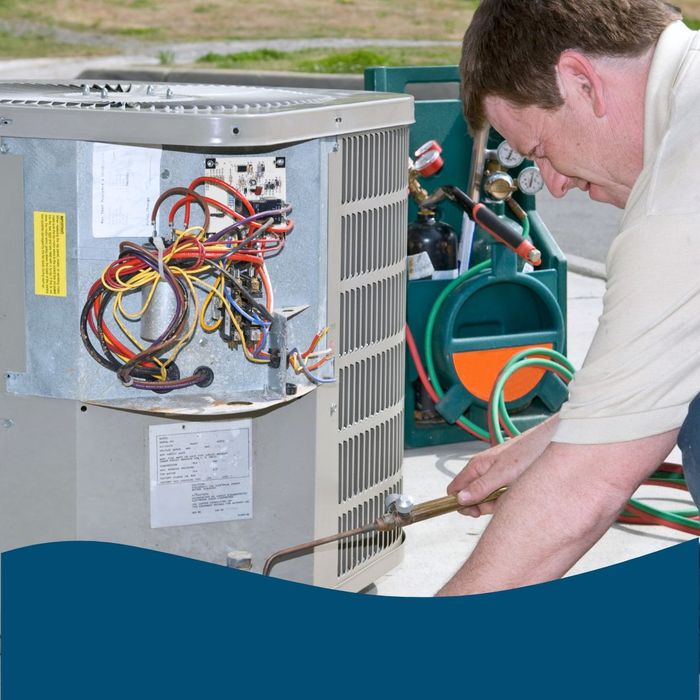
331, 61
199, 20
143, 22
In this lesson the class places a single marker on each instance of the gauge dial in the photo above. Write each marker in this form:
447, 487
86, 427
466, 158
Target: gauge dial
429, 163
427, 146
508, 157
530, 180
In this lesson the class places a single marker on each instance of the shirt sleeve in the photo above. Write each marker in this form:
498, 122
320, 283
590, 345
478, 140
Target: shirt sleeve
643, 367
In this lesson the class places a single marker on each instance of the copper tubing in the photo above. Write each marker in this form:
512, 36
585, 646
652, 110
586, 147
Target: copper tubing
389, 521
284, 553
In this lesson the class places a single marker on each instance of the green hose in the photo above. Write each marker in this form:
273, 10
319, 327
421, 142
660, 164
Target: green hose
520, 360
429, 364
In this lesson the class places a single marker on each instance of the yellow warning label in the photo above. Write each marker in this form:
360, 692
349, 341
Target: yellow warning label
50, 253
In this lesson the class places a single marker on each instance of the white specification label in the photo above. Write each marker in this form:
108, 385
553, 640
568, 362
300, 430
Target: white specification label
125, 186
200, 472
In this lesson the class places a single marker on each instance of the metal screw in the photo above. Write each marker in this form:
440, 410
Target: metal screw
334, 408
7, 423
169, 92
4, 148
165, 174
86, 89
149, 90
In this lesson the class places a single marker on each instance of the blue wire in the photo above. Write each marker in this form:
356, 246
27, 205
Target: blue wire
252, 319
265, 328
229, 299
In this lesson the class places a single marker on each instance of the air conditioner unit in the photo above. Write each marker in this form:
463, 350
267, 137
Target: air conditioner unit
264, 431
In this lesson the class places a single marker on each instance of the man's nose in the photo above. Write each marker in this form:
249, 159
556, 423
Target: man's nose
557, 183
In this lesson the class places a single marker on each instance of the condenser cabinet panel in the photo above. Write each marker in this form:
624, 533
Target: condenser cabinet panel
295, 339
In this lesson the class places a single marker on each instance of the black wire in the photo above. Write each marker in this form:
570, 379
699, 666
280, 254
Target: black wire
109, 360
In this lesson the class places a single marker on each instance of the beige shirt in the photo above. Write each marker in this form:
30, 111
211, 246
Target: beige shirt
643, 367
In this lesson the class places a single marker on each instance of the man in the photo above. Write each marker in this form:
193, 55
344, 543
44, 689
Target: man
604, 95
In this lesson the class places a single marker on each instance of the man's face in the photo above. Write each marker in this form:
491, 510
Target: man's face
570, 149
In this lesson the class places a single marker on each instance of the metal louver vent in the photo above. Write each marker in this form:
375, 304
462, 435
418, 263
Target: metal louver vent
371, 308
373, 238
370, 458
371, 313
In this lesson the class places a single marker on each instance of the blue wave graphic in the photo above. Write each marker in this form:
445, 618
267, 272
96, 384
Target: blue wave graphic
102, 621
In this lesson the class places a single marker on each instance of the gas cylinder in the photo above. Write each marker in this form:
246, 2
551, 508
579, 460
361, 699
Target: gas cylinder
436, 238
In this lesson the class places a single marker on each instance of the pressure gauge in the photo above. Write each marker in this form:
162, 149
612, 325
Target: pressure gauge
427, 146
530, 180
429, 163
508, 157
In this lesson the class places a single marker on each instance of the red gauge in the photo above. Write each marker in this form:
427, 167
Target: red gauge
429, 163
426, 147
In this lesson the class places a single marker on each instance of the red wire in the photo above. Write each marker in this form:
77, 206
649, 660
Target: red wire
186, 201
224, 186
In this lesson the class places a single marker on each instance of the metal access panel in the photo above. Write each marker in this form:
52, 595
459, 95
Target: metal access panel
261, 456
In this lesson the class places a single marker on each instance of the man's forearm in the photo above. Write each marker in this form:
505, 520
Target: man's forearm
556, 511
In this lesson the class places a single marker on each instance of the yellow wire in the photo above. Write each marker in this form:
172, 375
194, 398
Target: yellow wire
246, 352
138, 314
195, 317
189, 232
216, 291
207, 301
149, 276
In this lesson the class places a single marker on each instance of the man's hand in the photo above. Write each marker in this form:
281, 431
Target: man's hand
499, 466
555, 511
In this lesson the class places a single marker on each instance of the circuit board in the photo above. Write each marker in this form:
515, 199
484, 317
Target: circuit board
262, 180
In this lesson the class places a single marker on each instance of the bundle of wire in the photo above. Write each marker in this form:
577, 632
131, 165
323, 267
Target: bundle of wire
499, 422
193, 259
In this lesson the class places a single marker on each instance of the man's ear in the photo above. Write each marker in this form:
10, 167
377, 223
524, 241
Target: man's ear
577, 76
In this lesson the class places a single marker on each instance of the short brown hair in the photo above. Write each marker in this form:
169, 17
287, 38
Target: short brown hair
511, 47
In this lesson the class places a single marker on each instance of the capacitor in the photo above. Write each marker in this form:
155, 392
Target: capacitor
160, 311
